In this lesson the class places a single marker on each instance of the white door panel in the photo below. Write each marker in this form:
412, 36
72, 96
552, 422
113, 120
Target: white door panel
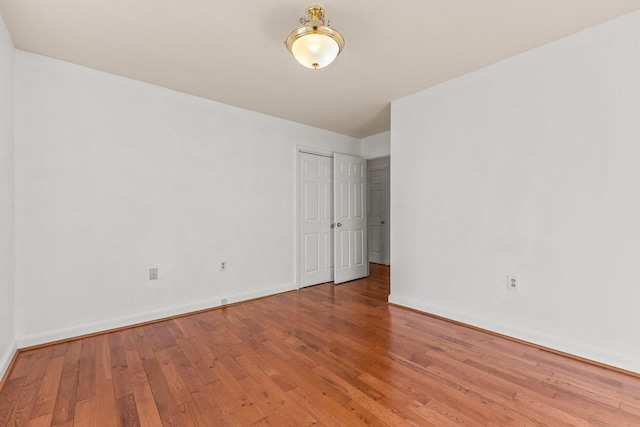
328, 249
315, 183
311, 247
351, 218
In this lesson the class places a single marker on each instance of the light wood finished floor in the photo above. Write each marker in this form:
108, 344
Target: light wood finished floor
326, 355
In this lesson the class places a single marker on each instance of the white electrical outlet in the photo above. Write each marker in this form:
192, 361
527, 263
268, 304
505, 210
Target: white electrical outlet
513, 283
153, 274
223, 265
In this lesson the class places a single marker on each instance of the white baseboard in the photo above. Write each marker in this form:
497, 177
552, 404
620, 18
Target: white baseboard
91, 328
6, 357
596, 355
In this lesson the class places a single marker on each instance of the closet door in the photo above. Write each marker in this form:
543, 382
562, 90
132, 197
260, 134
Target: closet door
350, 216
315, 198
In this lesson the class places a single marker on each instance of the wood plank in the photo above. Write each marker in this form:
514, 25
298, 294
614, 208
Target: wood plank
21, 412
242, 401
274, 404
363, 415
312, 383
46, 396
391, 416
208, 411
272, 395
64, 409
85, 413
179, 389
167, 408
103, 358
145, 403
105, 403
43, 421
131, 352
86, 379
58, 350
127, 411
22, 365
231, 411
119, 367
203, 369
9, 397
324, 409
88, 349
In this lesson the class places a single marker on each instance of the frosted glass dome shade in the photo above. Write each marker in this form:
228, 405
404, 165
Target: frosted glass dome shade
316, 44
315, 50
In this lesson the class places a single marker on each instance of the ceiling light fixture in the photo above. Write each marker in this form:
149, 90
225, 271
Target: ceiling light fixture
315, 44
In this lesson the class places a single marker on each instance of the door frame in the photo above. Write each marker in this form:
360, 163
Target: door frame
296, 202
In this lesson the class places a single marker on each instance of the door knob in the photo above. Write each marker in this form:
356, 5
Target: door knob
333, 226
339, 225
381, 222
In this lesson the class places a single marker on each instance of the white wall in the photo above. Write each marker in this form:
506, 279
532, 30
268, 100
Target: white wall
7, 258
529, 167
375, 146
115, 176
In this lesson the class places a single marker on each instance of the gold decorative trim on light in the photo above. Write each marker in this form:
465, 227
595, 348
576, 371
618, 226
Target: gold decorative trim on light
315, 44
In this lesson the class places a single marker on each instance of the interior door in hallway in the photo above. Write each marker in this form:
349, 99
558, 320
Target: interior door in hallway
315, 210
378, 197
350, 207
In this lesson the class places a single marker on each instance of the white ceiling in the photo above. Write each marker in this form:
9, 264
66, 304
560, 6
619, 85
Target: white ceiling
233, 51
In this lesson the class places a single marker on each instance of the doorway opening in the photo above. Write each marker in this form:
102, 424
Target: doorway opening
379, 176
